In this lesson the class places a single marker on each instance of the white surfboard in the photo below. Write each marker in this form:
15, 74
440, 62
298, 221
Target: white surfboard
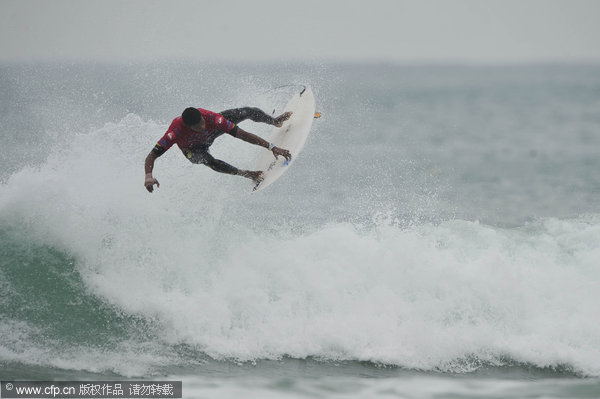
291, 136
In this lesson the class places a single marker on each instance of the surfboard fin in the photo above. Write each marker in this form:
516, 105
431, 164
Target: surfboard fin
317, 115
260, 180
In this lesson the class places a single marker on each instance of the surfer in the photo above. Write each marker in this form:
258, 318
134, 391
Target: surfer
196, 129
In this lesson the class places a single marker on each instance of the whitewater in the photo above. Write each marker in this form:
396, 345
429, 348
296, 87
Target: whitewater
429, 230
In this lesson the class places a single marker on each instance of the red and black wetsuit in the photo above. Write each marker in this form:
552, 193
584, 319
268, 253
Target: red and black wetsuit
191, 142
195, 145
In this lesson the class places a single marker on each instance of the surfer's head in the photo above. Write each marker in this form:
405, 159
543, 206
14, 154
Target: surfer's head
193, 119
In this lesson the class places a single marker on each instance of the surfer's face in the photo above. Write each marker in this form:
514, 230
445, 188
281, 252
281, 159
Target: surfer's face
199, 127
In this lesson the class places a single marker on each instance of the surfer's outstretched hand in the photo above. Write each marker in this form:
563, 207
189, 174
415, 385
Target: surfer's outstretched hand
150, 182
280, 151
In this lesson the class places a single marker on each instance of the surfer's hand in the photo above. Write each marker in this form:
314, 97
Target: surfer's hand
150, 182
280, 151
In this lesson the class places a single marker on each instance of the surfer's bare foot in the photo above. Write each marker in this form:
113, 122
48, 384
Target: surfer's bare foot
256, 176
282, 118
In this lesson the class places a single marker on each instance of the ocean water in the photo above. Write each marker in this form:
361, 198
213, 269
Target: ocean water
438, 237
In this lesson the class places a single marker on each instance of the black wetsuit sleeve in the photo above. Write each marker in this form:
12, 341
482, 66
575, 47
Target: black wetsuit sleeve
234, 131
159, 150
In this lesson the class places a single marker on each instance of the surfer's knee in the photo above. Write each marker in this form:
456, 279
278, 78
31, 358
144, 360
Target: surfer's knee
251, 113
254, 110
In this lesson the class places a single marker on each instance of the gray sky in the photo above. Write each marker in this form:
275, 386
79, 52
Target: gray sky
272, 30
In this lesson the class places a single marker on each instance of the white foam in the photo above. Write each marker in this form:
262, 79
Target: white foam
424, 297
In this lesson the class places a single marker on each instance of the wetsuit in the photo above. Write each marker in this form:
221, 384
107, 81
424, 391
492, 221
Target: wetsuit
195, 145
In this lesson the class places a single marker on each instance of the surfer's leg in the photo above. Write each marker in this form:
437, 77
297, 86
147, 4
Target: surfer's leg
223, 167
219, 166
238, 115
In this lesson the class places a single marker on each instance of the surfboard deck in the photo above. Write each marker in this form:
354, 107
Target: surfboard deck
290, 136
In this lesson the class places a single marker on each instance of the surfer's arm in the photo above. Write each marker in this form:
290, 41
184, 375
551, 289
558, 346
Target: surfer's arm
160, 148
150, 181
254, 139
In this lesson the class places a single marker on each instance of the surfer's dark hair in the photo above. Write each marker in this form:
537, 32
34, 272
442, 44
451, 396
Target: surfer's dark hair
191, 116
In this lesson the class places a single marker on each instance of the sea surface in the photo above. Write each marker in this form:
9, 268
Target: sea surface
438, 237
